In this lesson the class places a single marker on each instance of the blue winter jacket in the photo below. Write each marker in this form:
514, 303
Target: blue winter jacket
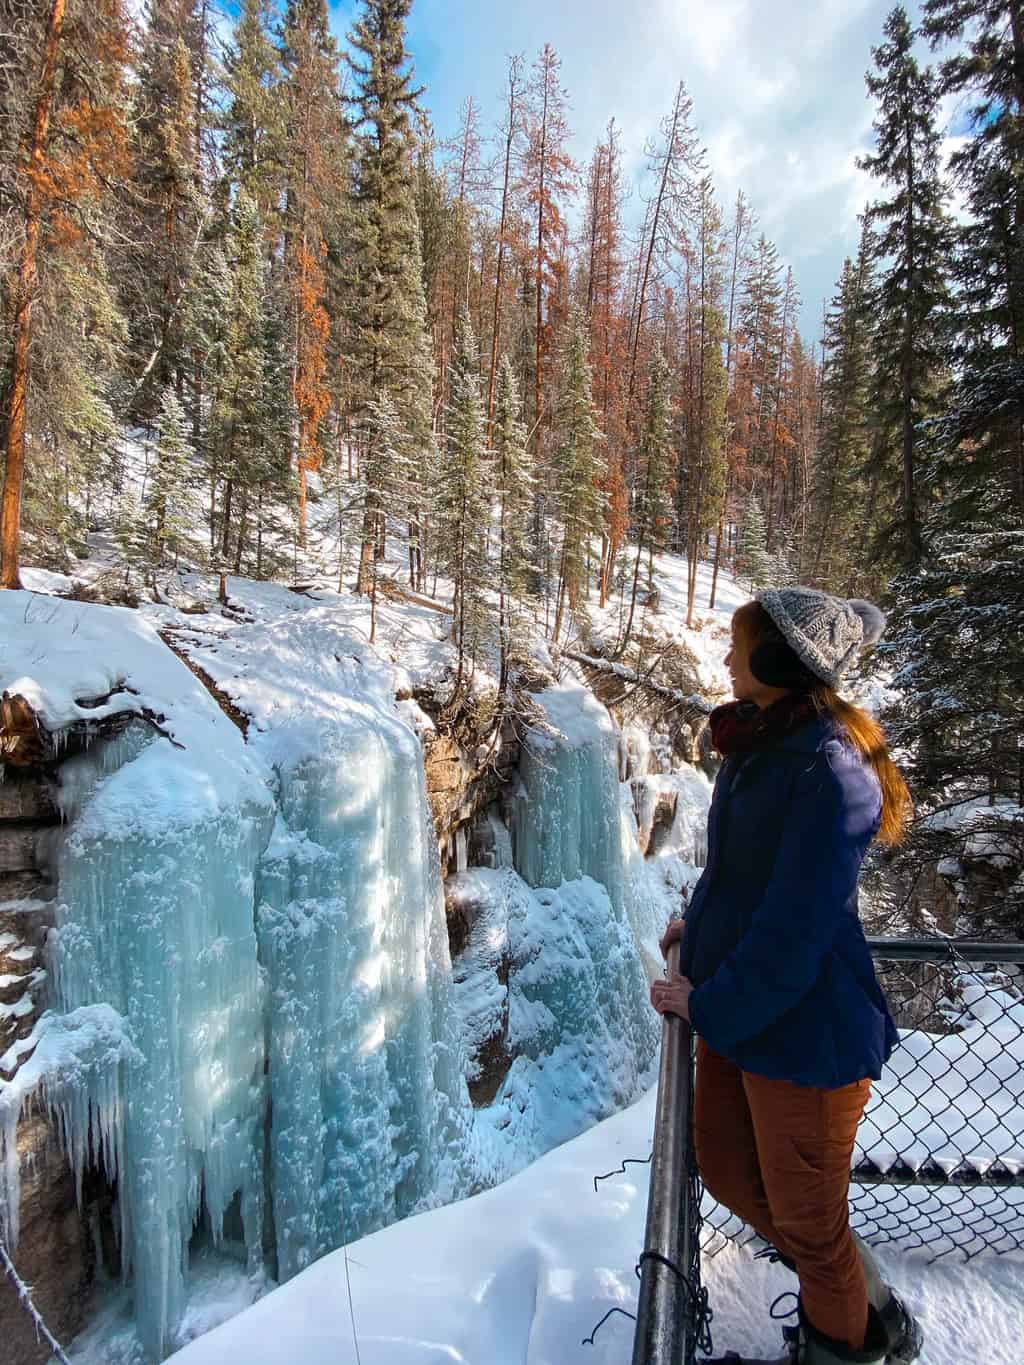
785, 985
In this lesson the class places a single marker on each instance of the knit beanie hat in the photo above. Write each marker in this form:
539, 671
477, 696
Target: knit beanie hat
823, 632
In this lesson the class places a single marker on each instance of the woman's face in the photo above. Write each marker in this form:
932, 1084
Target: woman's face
745, 687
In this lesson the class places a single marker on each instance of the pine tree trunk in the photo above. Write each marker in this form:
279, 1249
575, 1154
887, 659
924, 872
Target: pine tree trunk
366, 550
241, 532
718, 547
17, 386
913, 543
226, 530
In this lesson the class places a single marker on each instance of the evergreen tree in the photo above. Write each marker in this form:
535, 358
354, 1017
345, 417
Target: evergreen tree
315, 164
157, 531
760, 337
548, 181
253, 150
737, 379
167, 211
248, 447
780, 439
755, 567
839, 489
652, 511
509, 133
704, 480
514, 480
577, 469
391, 349
988, 75
71, 403
463, 505
63, 155
387, 468
609, 343
955, 636
956, 644
910, 248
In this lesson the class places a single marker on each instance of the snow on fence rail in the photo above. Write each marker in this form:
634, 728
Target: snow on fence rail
939, 1160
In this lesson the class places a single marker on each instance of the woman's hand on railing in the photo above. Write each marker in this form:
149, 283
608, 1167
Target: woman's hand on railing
672, 995
672, 934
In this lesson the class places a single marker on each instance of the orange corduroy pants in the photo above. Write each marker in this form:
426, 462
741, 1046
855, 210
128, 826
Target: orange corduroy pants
778, 1155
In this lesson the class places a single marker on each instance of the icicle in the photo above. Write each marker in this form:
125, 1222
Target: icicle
76, 1066
160, 926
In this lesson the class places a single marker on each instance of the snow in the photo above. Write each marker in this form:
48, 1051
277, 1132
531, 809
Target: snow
521, 1274
58, 654
961, 815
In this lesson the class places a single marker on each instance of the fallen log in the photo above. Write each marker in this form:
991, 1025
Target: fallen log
633, 681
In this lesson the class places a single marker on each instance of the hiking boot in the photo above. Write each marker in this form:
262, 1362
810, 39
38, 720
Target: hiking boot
805, 1345
903, 1333
902, 1330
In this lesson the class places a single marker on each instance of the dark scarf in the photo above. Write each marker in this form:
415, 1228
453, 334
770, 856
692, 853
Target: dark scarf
739, 727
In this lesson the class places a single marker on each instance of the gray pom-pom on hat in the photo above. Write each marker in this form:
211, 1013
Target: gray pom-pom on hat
824, 632
871, 616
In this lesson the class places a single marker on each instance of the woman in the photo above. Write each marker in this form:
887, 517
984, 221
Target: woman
775, 974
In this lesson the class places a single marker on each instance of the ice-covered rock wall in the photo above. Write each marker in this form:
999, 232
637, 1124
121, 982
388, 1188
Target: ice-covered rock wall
252, 1010
151, 1053
578, 999
155, 920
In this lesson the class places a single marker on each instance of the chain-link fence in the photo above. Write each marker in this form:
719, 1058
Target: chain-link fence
939, 1160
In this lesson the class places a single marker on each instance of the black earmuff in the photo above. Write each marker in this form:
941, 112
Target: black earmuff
775, 664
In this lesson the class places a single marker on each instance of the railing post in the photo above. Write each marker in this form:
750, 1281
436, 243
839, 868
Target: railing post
665, 1323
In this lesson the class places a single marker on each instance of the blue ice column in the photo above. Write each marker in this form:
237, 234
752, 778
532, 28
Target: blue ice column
370, 1112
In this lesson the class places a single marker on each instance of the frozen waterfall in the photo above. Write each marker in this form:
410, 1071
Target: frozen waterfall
155, 920
370, 1110
579, 1015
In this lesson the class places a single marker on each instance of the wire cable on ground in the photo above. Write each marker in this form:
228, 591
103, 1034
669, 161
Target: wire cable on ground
24, 1293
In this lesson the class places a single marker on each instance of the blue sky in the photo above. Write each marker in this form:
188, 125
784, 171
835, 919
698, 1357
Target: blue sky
777, 88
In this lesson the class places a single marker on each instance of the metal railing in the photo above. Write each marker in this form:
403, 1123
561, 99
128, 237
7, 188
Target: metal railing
671, 1300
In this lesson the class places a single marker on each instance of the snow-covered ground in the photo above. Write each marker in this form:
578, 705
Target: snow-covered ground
520, 1275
